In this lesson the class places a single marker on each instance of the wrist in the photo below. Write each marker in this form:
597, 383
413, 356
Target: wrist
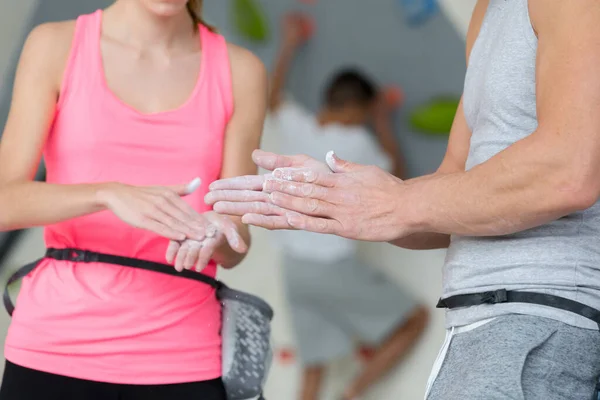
411, 209
101, 193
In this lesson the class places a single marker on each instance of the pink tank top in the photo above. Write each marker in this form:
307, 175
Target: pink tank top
105, 322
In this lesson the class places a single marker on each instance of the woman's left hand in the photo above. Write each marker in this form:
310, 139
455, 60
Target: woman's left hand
193, 254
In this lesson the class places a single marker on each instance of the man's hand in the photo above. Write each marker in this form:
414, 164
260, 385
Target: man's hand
244, 195
293, 30
356, 202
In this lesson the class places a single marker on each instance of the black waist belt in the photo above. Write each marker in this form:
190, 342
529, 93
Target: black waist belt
77, 255
508, 296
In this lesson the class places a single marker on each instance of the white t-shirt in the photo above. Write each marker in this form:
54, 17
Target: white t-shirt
301, 133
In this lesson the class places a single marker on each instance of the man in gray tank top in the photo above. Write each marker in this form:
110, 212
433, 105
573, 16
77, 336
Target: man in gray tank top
515, 199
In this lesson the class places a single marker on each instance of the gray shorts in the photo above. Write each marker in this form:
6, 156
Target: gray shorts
332, 305
519, 357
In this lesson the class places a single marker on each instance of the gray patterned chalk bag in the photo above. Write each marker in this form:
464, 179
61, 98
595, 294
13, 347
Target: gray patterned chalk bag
245, 328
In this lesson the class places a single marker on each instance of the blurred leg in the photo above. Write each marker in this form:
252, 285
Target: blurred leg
312, 382
389, 353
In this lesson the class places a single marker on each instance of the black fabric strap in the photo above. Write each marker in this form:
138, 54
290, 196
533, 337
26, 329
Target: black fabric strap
77, 255
507, 296
21, 273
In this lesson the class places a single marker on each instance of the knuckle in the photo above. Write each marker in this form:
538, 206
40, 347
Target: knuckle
167, 193
312, 205
321, 225
307, 190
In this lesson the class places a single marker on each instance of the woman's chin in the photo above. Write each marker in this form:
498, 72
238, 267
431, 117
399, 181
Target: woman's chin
166, 8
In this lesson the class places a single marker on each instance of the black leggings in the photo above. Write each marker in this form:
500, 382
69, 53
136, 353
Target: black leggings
20, 383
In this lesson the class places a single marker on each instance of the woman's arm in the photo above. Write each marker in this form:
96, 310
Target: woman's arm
243, 132
25, 203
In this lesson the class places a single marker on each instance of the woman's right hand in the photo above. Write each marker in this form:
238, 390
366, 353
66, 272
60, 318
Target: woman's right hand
159, 209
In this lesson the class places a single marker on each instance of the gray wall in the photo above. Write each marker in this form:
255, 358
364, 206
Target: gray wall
426, 61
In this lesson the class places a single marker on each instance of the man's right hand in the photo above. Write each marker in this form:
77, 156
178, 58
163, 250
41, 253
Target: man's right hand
159, 209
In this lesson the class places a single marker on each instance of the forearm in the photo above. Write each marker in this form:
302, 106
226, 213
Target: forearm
279, 77
524, 186
28, 204
225, 256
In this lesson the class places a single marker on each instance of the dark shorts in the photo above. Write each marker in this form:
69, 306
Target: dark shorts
21, 383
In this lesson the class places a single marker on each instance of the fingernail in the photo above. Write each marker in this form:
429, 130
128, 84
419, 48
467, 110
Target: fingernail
293, 220
193, 185
330, 159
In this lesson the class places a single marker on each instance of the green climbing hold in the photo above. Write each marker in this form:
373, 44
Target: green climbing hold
435, 117
249, 20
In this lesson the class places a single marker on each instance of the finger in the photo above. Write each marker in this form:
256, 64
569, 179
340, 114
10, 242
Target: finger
172, 251
236, 195
338, 165
307, 175
186, 189
181, 255
239, 209
191, 257
313, 224
306, 206
162, 229
208, 248
299, 189
270, 222
271, 161
234, 239
248, 182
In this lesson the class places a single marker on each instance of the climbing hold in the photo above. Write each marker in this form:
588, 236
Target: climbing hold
249, 20
435, 117
418, 11
394, 96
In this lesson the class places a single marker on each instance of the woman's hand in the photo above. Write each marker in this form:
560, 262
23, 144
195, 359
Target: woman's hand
158, 209
196, 254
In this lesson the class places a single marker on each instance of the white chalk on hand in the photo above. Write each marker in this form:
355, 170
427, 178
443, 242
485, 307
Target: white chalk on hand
330, 160
193, 185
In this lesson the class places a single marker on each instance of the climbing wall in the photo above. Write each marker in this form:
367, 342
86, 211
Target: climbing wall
427, 59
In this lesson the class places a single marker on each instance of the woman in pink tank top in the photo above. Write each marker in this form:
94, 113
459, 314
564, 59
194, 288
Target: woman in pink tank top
136, 110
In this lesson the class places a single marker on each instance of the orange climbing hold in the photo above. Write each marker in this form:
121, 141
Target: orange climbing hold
394, 96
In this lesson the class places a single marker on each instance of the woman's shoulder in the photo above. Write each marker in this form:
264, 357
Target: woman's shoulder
49, 45
54, 35
244, 61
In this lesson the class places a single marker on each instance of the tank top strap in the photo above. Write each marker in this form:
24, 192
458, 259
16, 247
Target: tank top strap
83, 65
217, 67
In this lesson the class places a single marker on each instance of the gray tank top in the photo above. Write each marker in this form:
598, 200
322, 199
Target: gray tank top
560, 258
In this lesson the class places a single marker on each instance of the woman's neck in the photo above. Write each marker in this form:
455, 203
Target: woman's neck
131, 22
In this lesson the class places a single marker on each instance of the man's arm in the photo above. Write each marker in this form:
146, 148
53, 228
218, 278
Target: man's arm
457, 151
291, 39
551, 173
454, 161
